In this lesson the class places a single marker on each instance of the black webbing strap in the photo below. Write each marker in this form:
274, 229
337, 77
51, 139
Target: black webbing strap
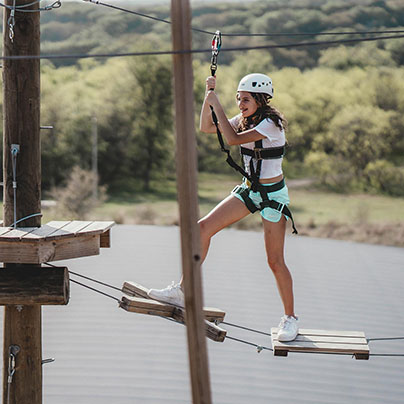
266, 153
266, 202
244, 193
229, 158
280, 207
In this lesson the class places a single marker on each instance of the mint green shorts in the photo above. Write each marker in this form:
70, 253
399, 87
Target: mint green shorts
272, 215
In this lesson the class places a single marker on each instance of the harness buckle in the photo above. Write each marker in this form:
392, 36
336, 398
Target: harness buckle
257, 153
280, 207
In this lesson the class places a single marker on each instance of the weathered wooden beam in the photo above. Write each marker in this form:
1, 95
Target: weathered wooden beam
146, 306
28, 285
212, 331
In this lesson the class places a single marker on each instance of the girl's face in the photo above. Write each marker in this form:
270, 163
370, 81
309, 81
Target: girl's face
246, 103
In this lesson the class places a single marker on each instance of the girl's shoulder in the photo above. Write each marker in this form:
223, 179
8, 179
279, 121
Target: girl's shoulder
234, 122
268, 128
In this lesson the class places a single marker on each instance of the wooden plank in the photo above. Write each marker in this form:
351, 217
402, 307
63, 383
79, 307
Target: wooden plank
19, 253
34, 285
305, 331
4, 230
69, 230
44, 231
146, 306
212, 331
67, 248
97, 227
348, 342
134, 289
105, 239
17, 234
40, 251
329, 339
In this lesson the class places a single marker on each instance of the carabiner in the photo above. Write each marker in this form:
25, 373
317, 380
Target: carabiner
217, 42
216, 45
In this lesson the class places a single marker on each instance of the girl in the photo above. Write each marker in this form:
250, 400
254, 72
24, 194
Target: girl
260, 131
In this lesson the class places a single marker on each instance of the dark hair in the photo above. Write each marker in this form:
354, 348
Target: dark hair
263, 111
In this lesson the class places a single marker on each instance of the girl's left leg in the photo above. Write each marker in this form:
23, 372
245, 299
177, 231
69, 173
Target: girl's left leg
274, 234
274, 244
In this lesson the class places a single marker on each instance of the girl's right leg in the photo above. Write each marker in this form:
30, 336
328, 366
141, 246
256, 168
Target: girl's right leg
227, 212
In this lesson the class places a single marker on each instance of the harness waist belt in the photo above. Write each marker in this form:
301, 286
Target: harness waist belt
264, 153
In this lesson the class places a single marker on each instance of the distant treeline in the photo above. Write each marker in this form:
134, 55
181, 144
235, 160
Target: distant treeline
87, 28
344, 104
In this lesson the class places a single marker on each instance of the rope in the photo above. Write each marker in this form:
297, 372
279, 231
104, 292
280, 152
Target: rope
182, 52
257, 346
96, 290
280, 34
246, 328
96, 281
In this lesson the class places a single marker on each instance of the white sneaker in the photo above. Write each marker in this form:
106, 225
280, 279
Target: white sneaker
288, 329
172, 294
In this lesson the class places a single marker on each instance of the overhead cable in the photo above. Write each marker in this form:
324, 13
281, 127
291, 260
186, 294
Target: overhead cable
231, 49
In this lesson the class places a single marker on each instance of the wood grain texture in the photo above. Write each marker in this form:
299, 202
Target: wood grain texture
27, 285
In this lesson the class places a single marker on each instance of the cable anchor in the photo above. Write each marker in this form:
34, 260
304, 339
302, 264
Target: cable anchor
13, 352
11, 23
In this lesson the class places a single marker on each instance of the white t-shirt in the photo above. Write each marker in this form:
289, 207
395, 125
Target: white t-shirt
274, 137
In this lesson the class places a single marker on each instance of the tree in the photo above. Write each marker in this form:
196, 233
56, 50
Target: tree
152, 141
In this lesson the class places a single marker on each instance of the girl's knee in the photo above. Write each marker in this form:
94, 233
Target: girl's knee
277, 264
204, 229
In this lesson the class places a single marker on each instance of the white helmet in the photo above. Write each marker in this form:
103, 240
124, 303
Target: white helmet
256, 83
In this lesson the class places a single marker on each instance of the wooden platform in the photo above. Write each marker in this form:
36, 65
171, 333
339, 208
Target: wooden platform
54, 241
139, 302
337, 342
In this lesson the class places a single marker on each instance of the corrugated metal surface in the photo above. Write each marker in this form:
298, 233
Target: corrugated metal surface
106, 355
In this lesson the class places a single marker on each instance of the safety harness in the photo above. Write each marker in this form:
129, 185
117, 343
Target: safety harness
257, 155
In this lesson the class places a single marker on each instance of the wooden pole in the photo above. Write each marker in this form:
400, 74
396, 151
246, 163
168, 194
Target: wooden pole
21, 105
188, 202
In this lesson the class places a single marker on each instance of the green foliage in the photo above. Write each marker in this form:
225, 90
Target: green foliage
76, 199
344, 105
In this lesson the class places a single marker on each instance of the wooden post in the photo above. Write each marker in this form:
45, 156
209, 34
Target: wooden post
188, 202
21, 105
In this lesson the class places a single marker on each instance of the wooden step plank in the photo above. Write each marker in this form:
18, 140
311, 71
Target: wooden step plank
348, 342
146, 306
320, 347
334, 340
155, 308
134, 289
213, 332
333, 333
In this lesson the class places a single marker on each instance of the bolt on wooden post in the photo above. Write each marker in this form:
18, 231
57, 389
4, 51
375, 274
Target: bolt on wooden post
21, 106
188, 201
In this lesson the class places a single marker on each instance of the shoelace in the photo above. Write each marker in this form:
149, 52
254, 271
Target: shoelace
172, 286
285, 322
